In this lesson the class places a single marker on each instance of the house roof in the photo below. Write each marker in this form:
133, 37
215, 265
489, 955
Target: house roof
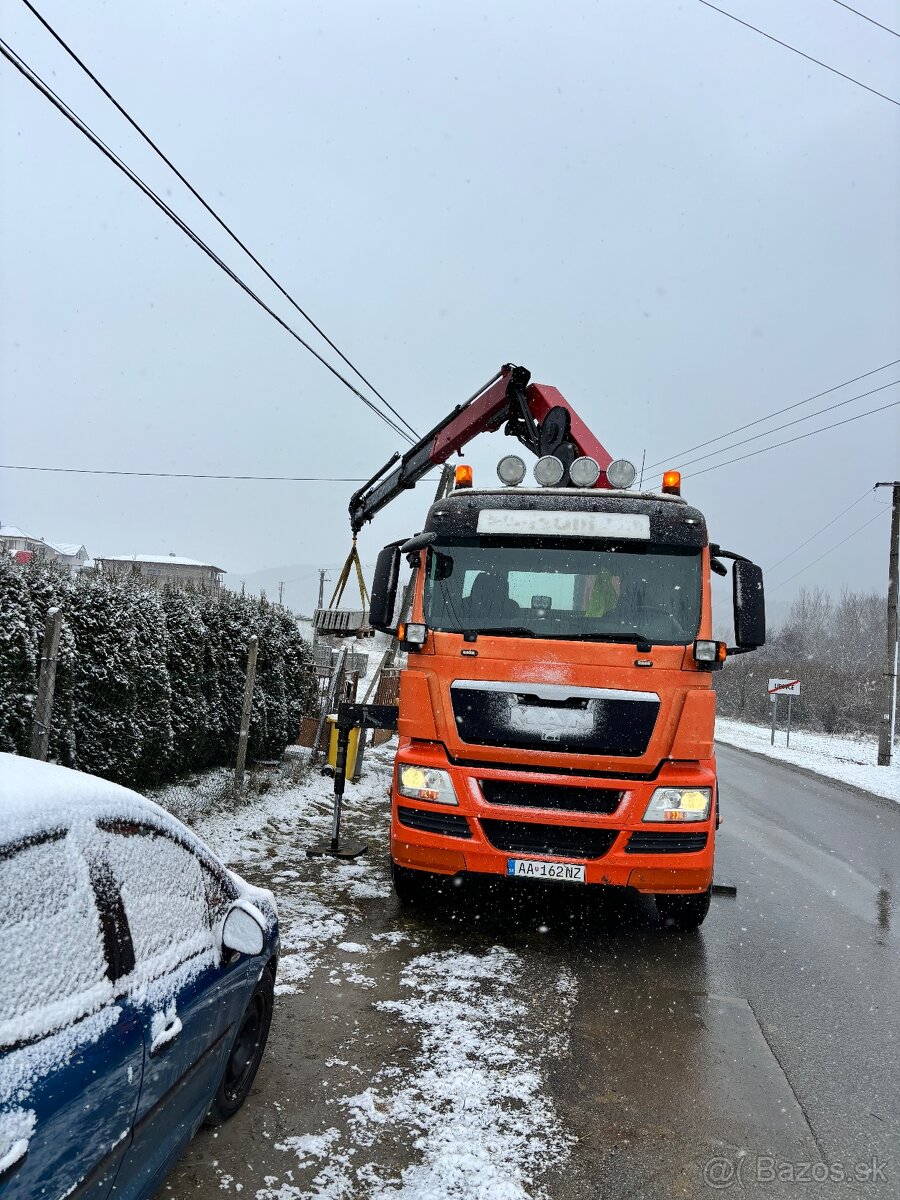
11, 531
159, 559
69, 549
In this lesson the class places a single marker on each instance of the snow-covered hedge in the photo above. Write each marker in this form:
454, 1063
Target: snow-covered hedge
149, 682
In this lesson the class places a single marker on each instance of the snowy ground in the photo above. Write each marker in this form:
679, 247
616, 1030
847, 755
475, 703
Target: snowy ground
454, 1103
850, 760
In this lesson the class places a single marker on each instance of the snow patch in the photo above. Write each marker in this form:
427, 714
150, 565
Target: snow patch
16, 1127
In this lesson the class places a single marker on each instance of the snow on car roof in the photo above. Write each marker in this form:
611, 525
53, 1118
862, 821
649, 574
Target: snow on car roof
36, 795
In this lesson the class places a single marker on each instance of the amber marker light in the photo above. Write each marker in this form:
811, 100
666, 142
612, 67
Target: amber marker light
672, 483
463, 476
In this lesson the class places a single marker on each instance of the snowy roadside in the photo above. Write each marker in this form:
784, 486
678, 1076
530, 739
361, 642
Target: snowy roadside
426, 1080
846, 759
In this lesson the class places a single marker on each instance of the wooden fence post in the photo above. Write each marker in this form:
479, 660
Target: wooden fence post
245, 716
43, 706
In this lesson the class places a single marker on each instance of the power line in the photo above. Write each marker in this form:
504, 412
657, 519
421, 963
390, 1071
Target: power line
82, 126
808, 57
787, 441
777, 413
152, 144
185, 474
836, 546
872, 20
833, 520
820, 412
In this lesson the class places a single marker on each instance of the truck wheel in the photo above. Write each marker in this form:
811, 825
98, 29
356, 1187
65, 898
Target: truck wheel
412, 888
684, 912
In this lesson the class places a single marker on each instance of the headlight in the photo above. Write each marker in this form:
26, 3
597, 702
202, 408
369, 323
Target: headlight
425, 783
679, 804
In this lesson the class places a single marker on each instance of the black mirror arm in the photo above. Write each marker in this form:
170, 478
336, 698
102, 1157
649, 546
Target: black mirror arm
716, 551
414, 544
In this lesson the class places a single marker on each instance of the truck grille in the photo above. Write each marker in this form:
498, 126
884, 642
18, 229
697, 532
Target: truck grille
536, 716
446, 824
648, 841
562, 841
548, 795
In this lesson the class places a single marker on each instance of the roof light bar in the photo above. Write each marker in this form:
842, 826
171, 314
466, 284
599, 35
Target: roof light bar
621, 473
511, 470
548, 471
584, 471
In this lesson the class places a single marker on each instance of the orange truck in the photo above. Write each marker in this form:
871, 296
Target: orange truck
556, 715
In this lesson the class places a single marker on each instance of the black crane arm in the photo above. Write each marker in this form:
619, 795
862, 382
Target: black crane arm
537, 415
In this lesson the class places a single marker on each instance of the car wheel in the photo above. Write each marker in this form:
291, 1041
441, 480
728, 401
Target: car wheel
246, 1052
413, 888
684, 912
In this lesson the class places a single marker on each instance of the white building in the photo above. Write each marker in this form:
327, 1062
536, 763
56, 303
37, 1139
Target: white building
24, 547
73, 555
164, 568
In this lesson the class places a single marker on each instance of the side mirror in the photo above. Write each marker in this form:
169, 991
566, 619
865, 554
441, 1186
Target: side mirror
384, 589
749, 605
244, 929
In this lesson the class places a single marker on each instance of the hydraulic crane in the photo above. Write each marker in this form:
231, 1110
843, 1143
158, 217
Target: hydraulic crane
536, 414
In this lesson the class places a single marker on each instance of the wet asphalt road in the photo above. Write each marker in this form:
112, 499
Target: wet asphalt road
756, 1057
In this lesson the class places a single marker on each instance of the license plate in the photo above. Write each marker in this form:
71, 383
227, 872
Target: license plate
531, 868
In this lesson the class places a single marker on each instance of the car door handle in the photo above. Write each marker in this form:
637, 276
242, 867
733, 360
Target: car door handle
166, 1036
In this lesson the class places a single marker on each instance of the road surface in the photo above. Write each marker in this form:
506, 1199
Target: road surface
538, 1043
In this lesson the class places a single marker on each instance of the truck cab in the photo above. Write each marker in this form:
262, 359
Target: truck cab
556, 716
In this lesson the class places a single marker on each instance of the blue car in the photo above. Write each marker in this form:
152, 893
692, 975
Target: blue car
136, 986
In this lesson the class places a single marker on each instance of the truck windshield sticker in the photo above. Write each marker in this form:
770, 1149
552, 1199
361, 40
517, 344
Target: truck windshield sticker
564, 524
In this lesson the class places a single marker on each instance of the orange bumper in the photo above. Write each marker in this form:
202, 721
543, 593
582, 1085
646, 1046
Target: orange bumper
647, 864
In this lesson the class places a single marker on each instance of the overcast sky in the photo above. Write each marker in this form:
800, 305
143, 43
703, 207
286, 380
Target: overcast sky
679, 224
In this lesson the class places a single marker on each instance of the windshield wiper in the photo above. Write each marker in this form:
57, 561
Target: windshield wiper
638, 638
503, 631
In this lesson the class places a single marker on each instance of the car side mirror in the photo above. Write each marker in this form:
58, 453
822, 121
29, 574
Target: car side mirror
384, 589
244, 930
749, 605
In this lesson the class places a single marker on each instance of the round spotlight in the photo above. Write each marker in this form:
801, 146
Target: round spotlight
548, 471
621, 473
584, 472
511, 470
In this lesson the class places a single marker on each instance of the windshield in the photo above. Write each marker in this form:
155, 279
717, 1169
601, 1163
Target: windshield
597, 591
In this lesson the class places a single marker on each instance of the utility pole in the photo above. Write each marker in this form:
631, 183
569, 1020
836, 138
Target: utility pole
43, 708
249, 681
281, 594
889, 675
321, 587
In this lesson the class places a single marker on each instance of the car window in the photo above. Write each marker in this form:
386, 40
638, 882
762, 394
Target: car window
164, 895
54, 966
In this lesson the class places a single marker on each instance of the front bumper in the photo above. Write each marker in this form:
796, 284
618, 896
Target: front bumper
481, 837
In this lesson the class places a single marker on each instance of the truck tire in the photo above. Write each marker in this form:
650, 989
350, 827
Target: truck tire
412, 888
684, 912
